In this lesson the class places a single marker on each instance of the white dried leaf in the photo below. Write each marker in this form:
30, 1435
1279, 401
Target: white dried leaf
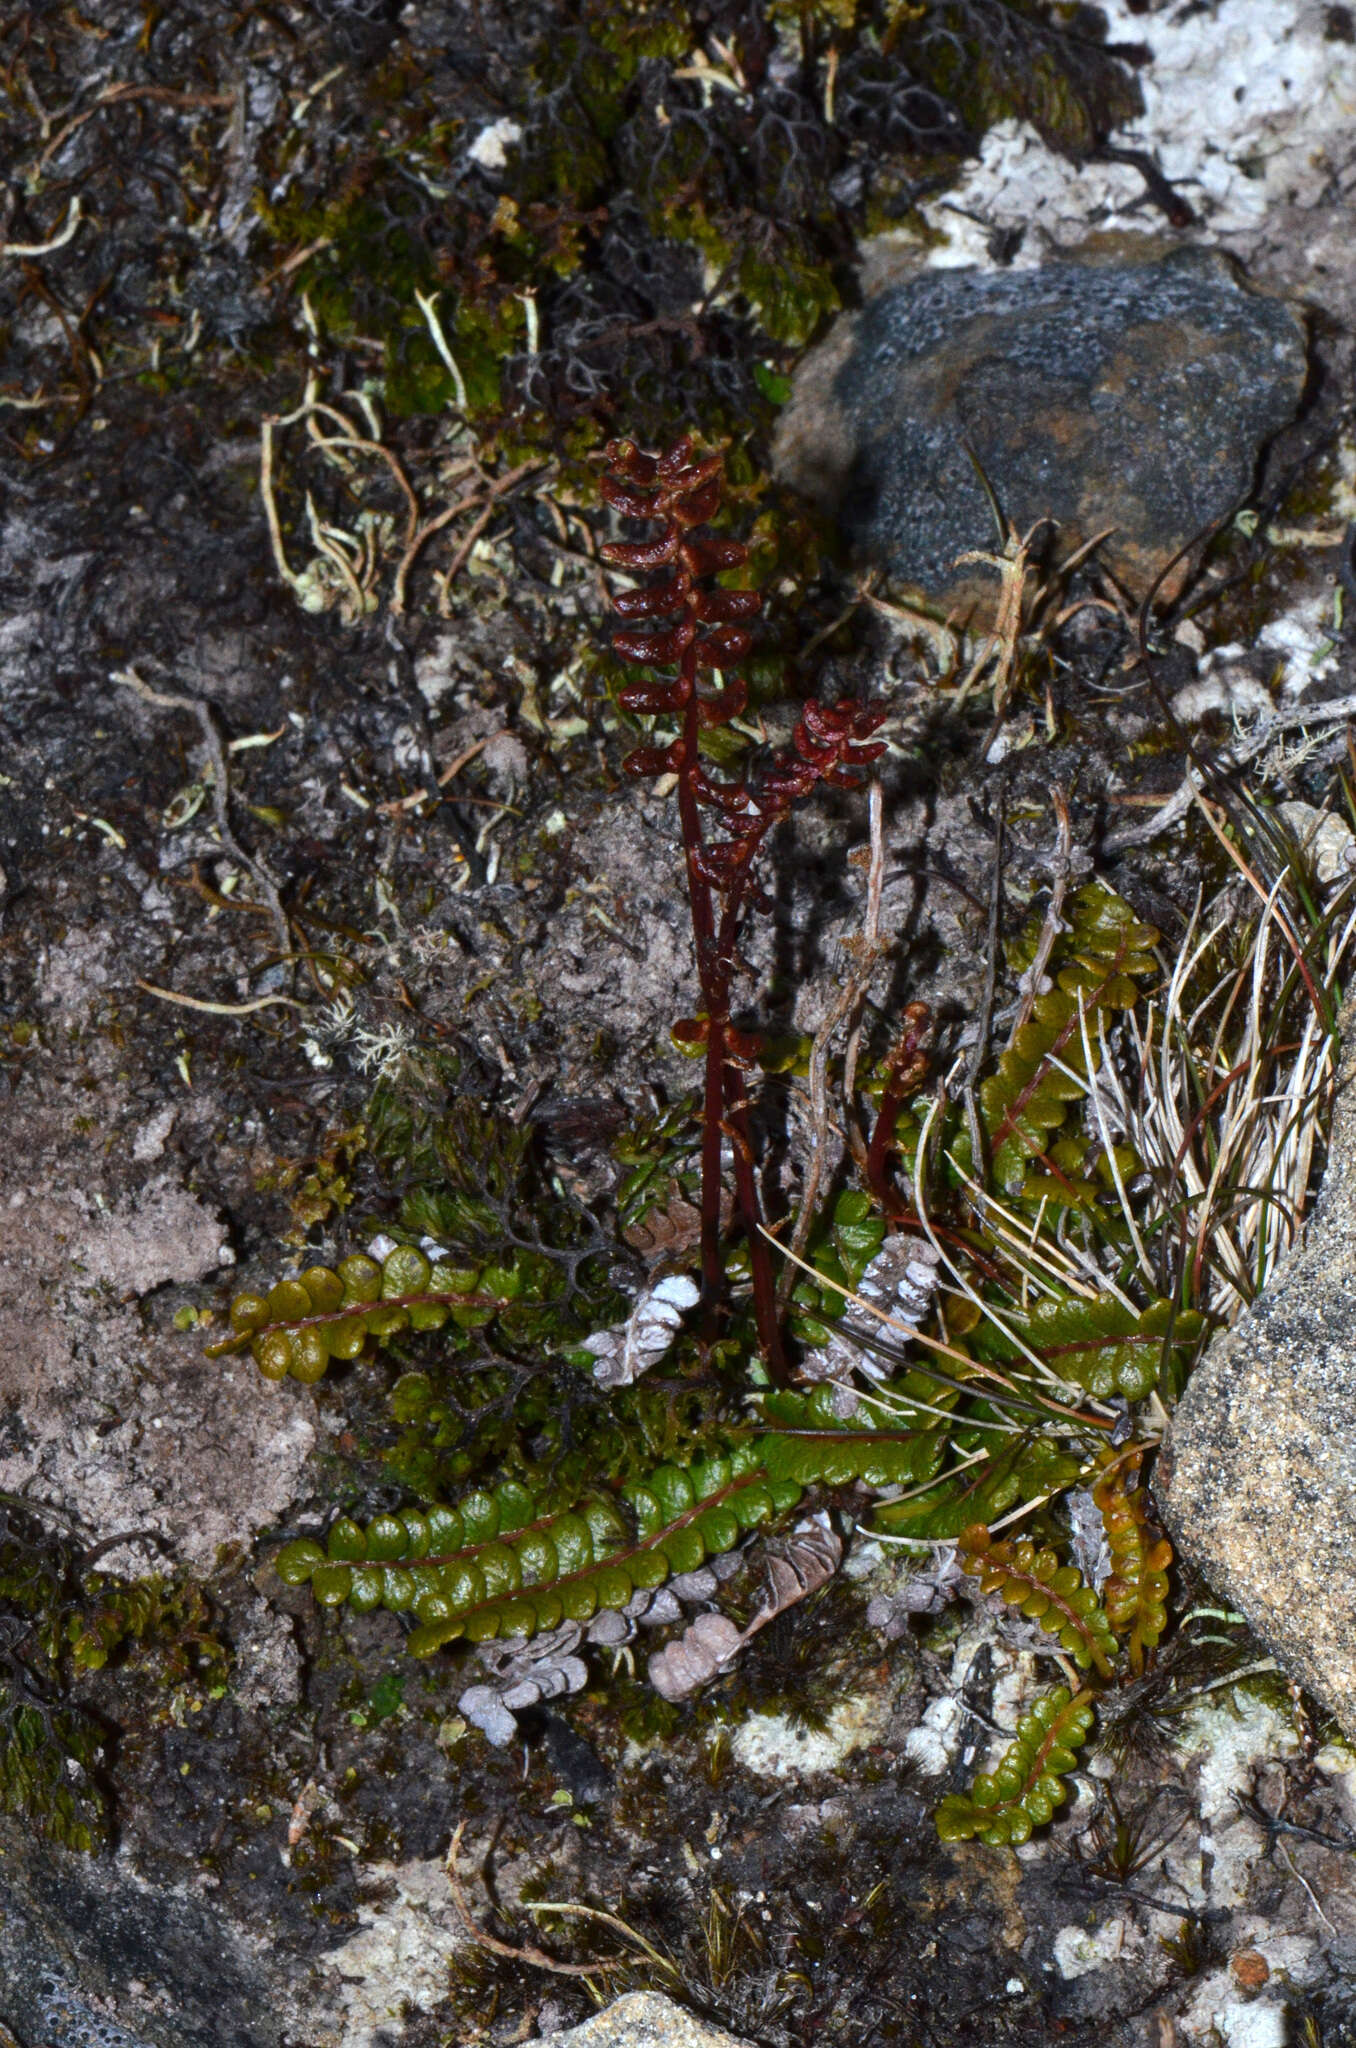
629, 1349
693, 1586
711, 1643
610, 1628
520, 1674
799, 1566
664, 1608
483, 1708
901, 1281
613, 1626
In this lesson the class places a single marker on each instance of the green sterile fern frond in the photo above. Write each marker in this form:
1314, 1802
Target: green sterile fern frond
984, 1484
840, 1256
331, 1312
1104, 955
495, 1565
1136, 1592
1047, 1592
1101, 1342
1004, 1805
814, 1446
500, 1248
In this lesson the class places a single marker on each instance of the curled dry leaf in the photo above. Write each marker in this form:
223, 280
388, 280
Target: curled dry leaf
668, 1231
708, 1645
801, 1565
629, 1349
1089, 1548
807, 1560
612, 1627
520, 1674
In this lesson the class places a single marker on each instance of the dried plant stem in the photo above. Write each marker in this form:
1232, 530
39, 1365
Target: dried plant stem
171, 700
170, 995
537, 1958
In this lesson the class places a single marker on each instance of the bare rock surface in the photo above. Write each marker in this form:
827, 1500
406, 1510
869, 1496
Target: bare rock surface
1125, 394
1258, 1473
644, 2019
119, 1424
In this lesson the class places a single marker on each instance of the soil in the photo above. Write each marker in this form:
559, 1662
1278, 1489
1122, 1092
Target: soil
199, 985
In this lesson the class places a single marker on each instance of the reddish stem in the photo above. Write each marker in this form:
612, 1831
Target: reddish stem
700, 631
905, 1070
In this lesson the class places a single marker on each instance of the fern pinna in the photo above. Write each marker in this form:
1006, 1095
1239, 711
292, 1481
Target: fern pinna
1021, 1793
1053, 1594
1136, 1592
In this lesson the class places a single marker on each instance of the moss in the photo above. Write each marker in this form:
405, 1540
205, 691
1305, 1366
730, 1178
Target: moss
60, 1623
639, 190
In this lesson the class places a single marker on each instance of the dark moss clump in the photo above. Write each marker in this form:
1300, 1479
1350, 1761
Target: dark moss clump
59, 1622
673, 206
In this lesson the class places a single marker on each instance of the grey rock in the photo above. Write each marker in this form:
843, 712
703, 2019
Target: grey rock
645, 2019
1133, 394
1257, 1477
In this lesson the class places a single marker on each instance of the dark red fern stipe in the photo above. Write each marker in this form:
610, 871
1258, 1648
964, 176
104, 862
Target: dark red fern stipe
695, 636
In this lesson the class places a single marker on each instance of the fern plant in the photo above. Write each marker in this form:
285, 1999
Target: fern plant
539, 1493
1045, 1591
702, 632
1136, 1592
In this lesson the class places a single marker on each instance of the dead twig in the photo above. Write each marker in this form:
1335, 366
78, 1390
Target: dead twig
170, 995
59, 240
497, 490
422, 534
980, 1049
173, 700
453, 768
537, 1958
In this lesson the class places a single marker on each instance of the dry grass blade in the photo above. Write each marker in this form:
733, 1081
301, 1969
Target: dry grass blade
1223, 1088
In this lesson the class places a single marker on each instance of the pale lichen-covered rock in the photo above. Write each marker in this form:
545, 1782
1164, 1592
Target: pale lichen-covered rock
644, 2019
1132, 394
1257, 1478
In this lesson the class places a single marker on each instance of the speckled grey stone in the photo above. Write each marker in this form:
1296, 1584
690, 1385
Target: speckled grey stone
644, 2019
1257, 1478
1130, 394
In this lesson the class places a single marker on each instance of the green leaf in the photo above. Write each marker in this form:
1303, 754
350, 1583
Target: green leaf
1025, 1469
1097, 1343
1005, 1805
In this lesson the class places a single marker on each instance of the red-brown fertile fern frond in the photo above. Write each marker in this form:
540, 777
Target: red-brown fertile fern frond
694, 639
